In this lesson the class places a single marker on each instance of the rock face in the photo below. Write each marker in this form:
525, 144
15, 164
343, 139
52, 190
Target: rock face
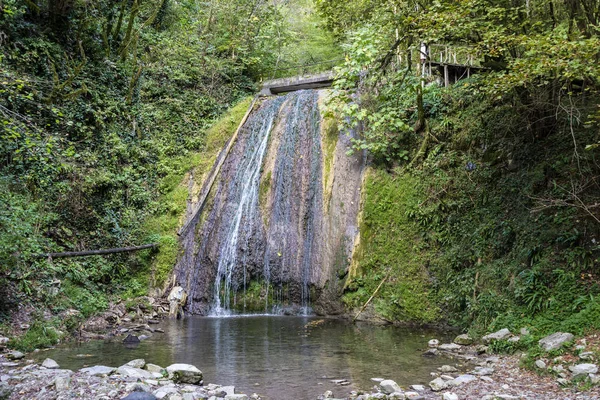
184, 373
502, 334
284, 212
555, 341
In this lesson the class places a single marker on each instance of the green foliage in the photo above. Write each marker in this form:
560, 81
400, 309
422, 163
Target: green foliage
41, 334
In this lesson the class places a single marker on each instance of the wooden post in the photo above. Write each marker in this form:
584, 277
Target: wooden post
446, 75
371, 298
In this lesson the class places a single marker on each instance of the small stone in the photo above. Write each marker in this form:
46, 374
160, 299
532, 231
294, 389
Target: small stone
558, 368
483, 371
433, 343
587, 355
506, 397
412, 395
463, 339
236, 397
388, 387
98, 370
430, 353
50, 364
418, 388
481, 349
583, 369
486, 379
447, 377
138, 363
450, 396
562, 381
555, 341
594, 379
514, 339
15, 355
377, 380
438, 384
5, 391
540, 364
447, 368
327, 395
450, 347
144, 337
524, 331
502, 334
62, 383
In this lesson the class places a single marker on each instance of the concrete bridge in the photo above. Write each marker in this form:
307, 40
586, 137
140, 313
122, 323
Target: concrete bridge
284, 85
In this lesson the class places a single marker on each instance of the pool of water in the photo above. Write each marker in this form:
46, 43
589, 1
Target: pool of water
274, 356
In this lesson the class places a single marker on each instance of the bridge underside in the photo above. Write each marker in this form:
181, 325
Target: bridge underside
286, 85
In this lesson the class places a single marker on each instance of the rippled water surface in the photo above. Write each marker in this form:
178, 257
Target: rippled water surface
278, 357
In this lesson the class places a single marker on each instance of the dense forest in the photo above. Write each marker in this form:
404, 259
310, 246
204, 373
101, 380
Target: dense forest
480, 205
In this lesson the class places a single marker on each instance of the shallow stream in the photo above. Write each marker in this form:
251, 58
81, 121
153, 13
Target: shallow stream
278, 357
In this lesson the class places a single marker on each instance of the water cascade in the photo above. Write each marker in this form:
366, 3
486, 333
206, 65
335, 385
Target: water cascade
280, 222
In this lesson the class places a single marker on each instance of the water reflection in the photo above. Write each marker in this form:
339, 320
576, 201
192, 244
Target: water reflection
275, 356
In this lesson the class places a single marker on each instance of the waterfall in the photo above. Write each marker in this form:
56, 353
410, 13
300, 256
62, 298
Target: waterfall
275, 224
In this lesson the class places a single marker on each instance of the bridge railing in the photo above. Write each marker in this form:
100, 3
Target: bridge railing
301, 69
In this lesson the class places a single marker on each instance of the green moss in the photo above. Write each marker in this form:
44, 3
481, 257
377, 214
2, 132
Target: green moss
265, 185
163, 225
254, 298
329, 133
390, 247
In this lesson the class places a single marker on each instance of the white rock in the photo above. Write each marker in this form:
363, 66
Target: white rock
502, 334
447, 368
540, 364
50, 364
377, 380
450, 396
184, 373
482, 371
583, 369
450, 346
15, 355
486, 379
418, 388
98, 370
388, 386
433, 343
555, 341
438, 384
132, 372
447, 377
138, 363
587, 355
514, 339
163, 392
236, 397
562, 381
595, 379
524, 331
462, 379
61, 383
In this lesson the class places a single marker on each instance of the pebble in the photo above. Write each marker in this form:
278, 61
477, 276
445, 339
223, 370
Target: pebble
50, 364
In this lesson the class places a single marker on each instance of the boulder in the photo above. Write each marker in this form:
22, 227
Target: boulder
502, 334
137, 363
62, 383
132, 372
583, 369
540, 364
482, 371
438, 384
140, 396
448, 368
433, 343
131, 339
388, 387
450, 347
555, 341
463, 339
98, 370
177, 299
50, 364
462, 379
154, 368
15, 355
184, 373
